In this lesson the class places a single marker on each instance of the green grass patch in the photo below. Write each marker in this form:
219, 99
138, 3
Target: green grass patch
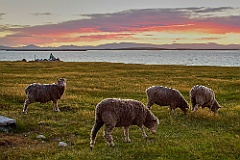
199, 135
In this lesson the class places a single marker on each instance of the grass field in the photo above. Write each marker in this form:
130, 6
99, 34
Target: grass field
199, 135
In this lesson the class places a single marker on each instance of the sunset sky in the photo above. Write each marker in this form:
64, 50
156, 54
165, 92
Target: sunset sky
94, 22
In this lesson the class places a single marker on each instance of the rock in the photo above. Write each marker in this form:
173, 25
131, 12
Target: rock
4, 121
7, 124
62, 144
41, 137
41, 123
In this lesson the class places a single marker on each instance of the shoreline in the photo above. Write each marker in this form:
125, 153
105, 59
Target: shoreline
13, 49
20, 61
175, 57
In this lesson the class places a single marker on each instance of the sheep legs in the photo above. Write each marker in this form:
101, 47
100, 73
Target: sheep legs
194, 104
143, 132
56, 109
26, 103
107, 135
126, 134
95, 129
195, 107
174, 111
149, 104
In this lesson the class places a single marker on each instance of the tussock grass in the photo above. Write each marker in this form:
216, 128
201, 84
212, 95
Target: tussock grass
199, 135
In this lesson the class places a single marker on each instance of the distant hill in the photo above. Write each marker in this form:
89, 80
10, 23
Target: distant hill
127, 46
165, 46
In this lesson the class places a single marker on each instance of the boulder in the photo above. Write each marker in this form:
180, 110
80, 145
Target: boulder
7, 124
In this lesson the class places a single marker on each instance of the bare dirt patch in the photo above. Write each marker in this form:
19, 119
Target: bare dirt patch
8, 140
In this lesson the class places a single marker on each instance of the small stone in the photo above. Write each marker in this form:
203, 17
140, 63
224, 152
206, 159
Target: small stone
62, 144
56, 139
41, 123
41, 137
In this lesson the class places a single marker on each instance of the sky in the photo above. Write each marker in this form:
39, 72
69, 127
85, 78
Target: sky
94, 22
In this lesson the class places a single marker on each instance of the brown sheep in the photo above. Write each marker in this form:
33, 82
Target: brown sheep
204, 97
115, 112
44, 92
164, 96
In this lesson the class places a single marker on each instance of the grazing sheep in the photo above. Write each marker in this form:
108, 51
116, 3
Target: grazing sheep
205, 97
166, 96
115, 112
44, 92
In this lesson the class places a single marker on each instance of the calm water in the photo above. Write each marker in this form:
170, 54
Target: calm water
165, 57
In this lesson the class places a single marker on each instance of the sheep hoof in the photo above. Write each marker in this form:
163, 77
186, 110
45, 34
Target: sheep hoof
111, 144
24, 112
56, 110
91, 147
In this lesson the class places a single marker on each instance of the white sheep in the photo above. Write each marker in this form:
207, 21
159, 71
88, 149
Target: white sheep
164, 96
44, 92
204, 97
115, 112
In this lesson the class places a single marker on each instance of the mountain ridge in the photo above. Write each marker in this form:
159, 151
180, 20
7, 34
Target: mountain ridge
131, 46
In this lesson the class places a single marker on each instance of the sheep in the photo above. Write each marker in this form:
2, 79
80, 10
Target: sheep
44, 92
204, 97
164, 96
114, 112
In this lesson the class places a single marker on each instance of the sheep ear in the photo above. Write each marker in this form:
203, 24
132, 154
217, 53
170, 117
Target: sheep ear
219, 106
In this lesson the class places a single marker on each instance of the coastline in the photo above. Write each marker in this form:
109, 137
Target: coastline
175, 57
20, 49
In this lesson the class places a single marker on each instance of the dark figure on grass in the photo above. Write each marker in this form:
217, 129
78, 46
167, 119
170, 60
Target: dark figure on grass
114, 112
44, 93
164, 96
202, 96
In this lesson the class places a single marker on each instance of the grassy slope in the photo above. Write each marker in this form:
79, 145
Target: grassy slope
198, 135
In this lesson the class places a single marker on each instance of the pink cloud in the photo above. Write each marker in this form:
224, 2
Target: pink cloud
127, 24
106, 37
209, 38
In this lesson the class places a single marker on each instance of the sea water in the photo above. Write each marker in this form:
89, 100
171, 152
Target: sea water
159, 57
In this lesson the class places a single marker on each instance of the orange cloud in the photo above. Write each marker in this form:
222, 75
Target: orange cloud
98, 37
123, 26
